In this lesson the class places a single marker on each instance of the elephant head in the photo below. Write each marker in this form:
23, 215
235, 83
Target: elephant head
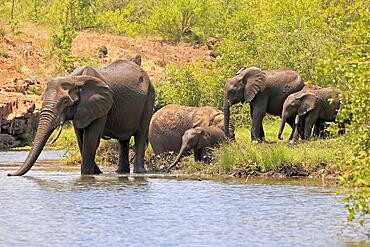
294, 104
243, 87
81, 98
195, 138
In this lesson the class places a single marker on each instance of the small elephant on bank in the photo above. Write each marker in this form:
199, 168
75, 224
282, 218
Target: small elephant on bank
199, 139
169, 124
265, 91
307, 108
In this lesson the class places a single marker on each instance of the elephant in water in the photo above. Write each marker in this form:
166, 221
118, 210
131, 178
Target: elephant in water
265, 91
310, 107
115, 101
169, 124
198, 139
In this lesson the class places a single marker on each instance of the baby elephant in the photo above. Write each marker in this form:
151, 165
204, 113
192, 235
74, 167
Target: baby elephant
198, 139
309, 107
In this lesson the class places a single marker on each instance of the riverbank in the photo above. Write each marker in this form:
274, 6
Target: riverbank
321, 158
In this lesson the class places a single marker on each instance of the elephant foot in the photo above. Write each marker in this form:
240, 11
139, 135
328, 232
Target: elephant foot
123, 170
293, 142
97, 170
139, 169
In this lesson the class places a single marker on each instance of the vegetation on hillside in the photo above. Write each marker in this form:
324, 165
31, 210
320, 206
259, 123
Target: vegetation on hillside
326, 41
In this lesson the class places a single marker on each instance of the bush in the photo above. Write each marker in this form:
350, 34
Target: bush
118, 21
174, 19
62, 44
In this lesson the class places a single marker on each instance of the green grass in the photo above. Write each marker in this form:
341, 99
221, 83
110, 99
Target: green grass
244, 158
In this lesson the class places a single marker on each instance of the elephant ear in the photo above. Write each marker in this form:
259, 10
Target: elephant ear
203, 139
308, 103
95, 100
254, 81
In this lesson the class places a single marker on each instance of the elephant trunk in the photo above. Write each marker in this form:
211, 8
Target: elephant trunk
282, 125
226, 118
44, 130
181, 153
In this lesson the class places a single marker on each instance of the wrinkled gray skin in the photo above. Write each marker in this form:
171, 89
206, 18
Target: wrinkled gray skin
309, 107
198, 139
115, 101
169, 124
265, 91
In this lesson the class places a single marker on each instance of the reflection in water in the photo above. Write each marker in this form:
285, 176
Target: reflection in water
110, 210
80, 183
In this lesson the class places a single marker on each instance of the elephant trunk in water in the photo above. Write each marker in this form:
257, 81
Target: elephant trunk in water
226, 117
44, 130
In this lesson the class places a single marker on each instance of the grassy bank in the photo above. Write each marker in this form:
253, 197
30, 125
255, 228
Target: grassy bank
241, 158
276, 158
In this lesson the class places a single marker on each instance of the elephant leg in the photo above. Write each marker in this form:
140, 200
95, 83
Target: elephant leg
290, 121
262, 133
259, 111
79, 135
198, 154
297, 126
309, 122
123, 163
141, 136
341, 128
91, 141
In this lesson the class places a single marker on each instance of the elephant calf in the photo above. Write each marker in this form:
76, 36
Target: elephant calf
309, 107
198, 139
169, 124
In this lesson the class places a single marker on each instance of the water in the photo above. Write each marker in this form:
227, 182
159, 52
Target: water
54, 208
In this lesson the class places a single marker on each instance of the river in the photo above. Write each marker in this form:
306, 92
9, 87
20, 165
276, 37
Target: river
52, 207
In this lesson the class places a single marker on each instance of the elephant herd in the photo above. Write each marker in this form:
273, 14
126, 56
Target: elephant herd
116, 102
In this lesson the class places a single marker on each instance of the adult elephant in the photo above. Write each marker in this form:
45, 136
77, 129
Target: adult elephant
115, 101
265, 91
169, 124
310, 107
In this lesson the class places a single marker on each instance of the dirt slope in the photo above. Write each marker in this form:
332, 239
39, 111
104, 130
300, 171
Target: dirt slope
25, 69
155, 53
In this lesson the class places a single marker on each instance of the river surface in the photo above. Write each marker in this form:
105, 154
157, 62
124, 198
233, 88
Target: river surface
58, 208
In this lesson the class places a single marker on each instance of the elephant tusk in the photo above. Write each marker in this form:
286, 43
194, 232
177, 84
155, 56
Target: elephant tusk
57, 135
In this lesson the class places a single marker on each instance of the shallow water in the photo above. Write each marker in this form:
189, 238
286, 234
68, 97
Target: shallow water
53, 208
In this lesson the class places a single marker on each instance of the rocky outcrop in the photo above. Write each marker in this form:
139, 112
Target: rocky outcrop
18, 116
20, 87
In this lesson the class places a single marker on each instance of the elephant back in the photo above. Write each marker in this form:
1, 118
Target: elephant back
170, 123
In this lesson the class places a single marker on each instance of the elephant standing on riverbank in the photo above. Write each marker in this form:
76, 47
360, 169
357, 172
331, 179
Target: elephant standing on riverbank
115, 101
310, 107
198, 139
169, 124
265, 91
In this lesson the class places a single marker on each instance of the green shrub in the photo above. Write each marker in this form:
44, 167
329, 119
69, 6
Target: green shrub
62, 44
173, 19
118, 21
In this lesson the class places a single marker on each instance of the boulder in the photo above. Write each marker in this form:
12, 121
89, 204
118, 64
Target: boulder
18, 115
8, 141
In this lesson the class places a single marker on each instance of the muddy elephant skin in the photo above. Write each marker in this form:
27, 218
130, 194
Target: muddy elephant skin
169, 124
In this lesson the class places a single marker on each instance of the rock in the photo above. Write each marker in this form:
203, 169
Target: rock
212, 41
137, 60
18, 115
8, 141
102, 51
215, 54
